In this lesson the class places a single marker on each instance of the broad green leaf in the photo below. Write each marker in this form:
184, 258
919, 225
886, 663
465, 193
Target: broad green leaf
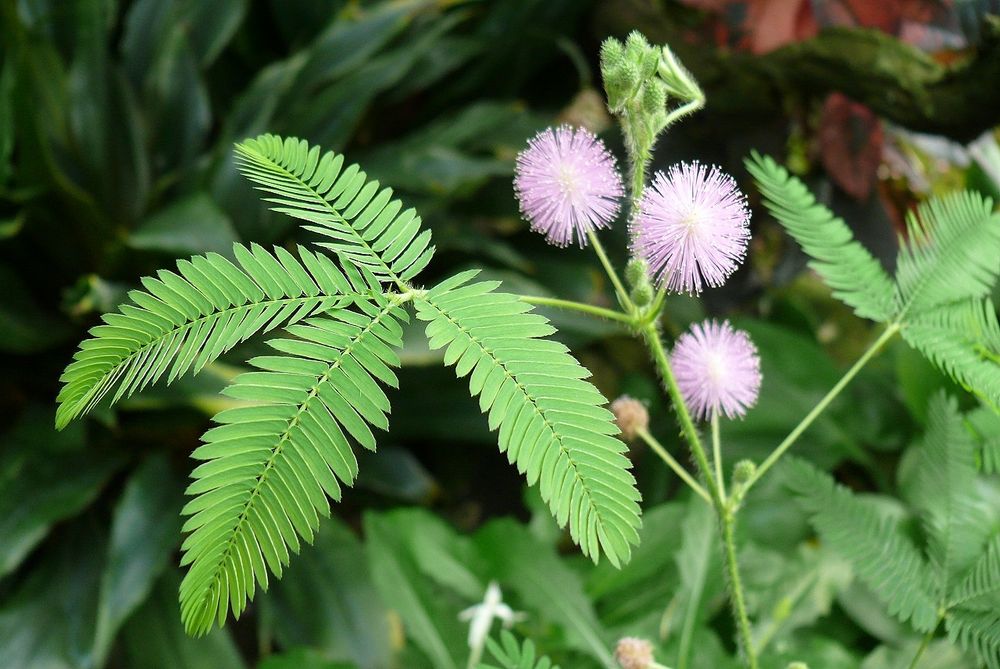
429, 612
153, 638
188, 226
328, 603
44, 478
144, 532
544, 584
47, 620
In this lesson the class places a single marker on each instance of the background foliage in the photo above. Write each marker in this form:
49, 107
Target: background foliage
117, 121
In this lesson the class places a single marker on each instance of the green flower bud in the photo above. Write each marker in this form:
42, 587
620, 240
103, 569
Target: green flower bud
797, 665
642, 294
743, 472
654, 98
636, 272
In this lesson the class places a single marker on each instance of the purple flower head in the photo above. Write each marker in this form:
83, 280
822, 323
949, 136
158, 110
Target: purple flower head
717, 369
692, 227
567, 184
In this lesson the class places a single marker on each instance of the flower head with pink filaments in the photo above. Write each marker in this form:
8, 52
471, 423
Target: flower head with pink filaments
692, 227
717, 370
567, 184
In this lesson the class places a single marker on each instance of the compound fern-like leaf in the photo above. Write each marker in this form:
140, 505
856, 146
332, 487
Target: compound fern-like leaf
978, 631
963, 339
854, 275
954, 520
882, 556
270, 466
367, 226
551, 421
951, 253
187, 319
982, 579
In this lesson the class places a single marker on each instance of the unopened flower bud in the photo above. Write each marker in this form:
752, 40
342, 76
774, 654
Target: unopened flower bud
743, 472
797, 665
654, 97
642, 294
633, 653
636, 271
631, 416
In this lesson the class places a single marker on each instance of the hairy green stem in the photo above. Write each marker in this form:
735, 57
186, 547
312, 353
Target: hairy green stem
609, 269
727, 522
822, 405
600, 312
717, 455
658, 448
724, 511
655, 343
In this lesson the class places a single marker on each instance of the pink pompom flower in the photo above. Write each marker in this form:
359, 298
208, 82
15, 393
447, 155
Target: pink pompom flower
692, 228
567, 184
717, 369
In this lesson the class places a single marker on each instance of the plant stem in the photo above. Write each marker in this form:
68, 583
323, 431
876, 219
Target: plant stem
723, 510
717, 455
821, 405
609, 269
610, 314
658, 448
655, 343
727, 521
923, 645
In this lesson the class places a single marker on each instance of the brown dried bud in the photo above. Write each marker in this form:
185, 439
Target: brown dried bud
631, 416
633, 653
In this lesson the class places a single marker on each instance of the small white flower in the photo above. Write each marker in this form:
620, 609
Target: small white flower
480, 618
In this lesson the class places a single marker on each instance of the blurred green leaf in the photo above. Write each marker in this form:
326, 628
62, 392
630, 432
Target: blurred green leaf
153, 638
45, 476
544, 584
150, 25
396, 473
47, 622
428, 612
796, 373
328, 603
24, 326
301, 658
105, 121
939, 655
187, 227
7, 74
698, 566
144, 533
788, 592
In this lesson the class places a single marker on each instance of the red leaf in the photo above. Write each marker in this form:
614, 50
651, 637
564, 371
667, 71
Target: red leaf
850, 138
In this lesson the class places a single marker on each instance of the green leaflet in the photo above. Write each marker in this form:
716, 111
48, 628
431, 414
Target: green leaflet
945, 492
883, 557
183, 321
952, 253
511, 655
551, 420
854, 275
269, 467
368, 227
963, 339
